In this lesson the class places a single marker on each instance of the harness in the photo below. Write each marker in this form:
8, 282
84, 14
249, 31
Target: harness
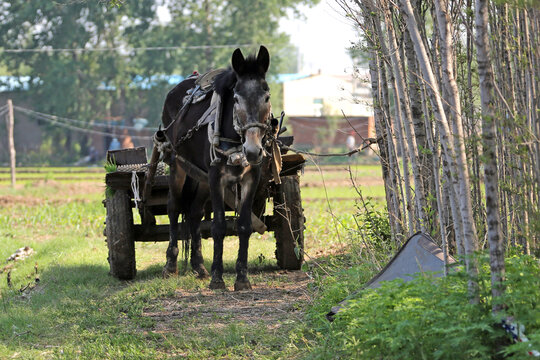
213, 117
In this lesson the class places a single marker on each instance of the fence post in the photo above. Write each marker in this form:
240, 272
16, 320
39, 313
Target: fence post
11, 143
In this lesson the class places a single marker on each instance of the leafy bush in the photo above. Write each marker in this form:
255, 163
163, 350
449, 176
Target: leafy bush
374, 226
427, 318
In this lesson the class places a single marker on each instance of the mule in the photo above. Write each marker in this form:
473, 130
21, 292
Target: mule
246, 110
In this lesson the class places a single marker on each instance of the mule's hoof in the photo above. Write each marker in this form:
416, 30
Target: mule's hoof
242, 285
167, 273
201, 272
217, 285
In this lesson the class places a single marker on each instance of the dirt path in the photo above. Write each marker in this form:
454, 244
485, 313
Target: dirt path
279, 298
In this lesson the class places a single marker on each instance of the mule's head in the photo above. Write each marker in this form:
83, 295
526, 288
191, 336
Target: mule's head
251, 101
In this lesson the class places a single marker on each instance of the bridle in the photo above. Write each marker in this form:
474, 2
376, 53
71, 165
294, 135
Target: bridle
242, 128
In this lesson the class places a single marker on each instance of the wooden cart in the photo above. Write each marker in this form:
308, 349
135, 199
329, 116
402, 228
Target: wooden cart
134, 176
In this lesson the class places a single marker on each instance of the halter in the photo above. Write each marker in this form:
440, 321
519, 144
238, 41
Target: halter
241, 129
235, 155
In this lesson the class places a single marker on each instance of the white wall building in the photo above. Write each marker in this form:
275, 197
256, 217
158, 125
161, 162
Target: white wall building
327, 95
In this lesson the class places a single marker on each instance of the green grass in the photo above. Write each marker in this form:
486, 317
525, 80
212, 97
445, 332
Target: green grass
28, 176
56, 170
312, 173
78, 311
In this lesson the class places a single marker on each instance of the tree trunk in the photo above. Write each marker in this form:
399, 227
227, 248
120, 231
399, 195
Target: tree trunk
485, 73
382, 136
406, 122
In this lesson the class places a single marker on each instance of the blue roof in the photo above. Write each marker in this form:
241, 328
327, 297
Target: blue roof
281, 78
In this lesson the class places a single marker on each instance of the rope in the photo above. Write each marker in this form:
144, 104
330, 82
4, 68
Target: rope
79, 129
369, 141
84, 123
135, 188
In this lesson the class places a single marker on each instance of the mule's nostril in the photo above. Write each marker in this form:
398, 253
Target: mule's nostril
260, 152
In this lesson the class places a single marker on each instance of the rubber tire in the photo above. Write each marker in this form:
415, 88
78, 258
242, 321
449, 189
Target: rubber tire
288, 192
120, 235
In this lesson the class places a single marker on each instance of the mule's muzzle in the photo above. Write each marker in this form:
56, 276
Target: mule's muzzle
252, 146
254, 154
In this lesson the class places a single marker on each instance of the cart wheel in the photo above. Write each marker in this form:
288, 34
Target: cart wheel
120, 236
289, 223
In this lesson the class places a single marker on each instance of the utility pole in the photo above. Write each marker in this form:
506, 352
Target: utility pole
11, 143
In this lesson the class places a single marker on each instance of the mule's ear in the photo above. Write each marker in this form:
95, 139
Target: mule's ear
238, 62
263, 60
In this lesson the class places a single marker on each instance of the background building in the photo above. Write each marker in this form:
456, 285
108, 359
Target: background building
324, 109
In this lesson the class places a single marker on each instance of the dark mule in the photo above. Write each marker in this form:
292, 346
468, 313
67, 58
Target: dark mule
246, 109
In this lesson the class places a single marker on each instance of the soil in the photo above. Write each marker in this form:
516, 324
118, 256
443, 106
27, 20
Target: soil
55, 193
269, 304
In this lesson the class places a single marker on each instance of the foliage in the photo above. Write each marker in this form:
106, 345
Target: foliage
110, 166
427, 318
374, 225
126, 80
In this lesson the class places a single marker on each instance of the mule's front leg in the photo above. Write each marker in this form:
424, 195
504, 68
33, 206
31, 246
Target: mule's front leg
248, 185
244, 233
219, 227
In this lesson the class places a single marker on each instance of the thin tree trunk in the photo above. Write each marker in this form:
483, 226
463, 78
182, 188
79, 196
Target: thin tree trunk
449, 83
407, 211
404, 158
485, 73
395, 173
406, 122
382, 135
419, 122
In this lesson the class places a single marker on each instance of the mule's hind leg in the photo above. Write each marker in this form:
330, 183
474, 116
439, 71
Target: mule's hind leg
194, 216
177, 179
173, 210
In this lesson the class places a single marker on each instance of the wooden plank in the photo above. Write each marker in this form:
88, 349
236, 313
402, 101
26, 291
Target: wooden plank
127, 156
122, 180
286, 140
161, 232
292, 163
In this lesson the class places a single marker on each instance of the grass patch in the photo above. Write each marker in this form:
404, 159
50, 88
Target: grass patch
78, 311
427, 318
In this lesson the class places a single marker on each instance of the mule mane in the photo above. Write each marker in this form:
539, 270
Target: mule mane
225, 82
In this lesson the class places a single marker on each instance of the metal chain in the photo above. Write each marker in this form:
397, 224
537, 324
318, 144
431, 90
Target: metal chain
188, 135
